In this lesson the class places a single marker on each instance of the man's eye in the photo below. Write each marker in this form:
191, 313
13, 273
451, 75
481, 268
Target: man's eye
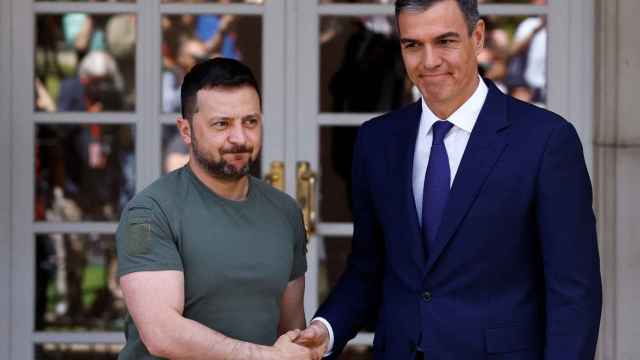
447, 41
409, 45
220, 124
251, 122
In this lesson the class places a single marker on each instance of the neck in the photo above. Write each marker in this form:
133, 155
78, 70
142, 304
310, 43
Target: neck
444, 110
235, 190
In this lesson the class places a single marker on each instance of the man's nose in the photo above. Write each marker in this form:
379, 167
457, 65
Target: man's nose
430, 57
237, 134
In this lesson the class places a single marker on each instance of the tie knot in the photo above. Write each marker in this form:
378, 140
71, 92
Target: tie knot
440, 130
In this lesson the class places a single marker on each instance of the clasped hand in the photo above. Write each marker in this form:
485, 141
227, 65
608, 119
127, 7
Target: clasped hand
310, 343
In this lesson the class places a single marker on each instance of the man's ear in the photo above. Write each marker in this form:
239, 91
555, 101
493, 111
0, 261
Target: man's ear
184, 128
479, 35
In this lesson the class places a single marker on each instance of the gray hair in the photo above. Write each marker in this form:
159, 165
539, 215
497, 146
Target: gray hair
469, 9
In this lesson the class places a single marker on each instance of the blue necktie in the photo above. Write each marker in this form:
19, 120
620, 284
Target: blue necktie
436, 185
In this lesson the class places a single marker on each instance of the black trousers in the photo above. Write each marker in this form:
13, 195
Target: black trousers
419, 355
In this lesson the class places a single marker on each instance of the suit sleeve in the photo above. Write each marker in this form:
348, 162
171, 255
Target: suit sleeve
567, 231
356, 297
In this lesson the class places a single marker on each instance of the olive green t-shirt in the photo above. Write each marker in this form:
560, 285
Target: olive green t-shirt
236, 256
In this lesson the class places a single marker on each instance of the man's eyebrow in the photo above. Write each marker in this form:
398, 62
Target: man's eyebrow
448, 35
254, 115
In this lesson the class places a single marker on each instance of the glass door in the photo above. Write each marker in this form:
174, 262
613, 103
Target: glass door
94, 122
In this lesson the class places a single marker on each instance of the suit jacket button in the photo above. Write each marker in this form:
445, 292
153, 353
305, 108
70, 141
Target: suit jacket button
426, 296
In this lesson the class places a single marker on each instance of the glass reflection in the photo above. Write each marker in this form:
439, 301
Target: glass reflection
336, 152
130, 1
85, 62
333, 255
76, 284
175, 153
533, 2
515, 56
528, 2
361, 67
357, 352
54, 351
333, 261
257, 2
83, 172
188, 39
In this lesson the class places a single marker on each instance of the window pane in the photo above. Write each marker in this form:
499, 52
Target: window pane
336, 152
77, 351
188, 39
76, 284
175, 153
532, 2
83, 172
515, 56
129, 1
535, 2
257, 2
332, 263
361, 67
85, 62
357, 352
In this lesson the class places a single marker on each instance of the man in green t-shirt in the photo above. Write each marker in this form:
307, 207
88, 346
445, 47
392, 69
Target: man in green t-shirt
211, 260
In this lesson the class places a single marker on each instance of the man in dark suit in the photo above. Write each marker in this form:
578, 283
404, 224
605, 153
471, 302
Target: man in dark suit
474, 234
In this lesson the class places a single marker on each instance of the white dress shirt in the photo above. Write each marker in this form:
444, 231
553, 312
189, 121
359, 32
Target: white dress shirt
463, 119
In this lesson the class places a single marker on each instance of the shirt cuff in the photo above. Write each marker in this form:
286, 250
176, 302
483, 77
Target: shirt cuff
324, 322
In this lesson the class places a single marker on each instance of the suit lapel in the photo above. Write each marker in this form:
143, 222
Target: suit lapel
400, 156
483, 150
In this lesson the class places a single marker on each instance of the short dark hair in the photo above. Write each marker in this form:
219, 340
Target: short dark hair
469, 9
211, 73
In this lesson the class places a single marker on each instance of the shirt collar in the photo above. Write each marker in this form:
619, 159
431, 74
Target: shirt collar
465, 116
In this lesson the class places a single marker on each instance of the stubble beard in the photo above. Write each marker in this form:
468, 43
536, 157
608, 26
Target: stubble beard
222, 169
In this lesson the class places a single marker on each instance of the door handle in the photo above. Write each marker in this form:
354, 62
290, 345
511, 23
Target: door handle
306, 195
275, 176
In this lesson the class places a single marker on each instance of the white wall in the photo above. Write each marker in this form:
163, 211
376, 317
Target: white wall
617, 163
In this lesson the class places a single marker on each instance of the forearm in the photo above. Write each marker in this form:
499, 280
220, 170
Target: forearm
292, 321
180, 338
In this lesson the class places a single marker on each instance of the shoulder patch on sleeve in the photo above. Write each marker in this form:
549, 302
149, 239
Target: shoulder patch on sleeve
138, 231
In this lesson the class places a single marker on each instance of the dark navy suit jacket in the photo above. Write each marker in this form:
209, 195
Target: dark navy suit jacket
515, 273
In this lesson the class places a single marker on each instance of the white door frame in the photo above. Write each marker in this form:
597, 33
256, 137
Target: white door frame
5, 179
290, 67
19, 121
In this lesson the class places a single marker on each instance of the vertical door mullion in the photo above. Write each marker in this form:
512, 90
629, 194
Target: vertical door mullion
148, 93
306, 137
5, 181
558, 56
273, 65
22, 272
292, 10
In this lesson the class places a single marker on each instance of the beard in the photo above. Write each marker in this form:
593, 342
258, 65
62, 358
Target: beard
221, 169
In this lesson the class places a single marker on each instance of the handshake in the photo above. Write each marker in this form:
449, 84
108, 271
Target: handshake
310, 343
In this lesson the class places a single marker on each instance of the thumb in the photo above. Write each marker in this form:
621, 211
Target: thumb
309, 334
293, 334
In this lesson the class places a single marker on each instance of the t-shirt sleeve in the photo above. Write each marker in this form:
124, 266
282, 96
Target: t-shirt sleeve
144, 240
299, 248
